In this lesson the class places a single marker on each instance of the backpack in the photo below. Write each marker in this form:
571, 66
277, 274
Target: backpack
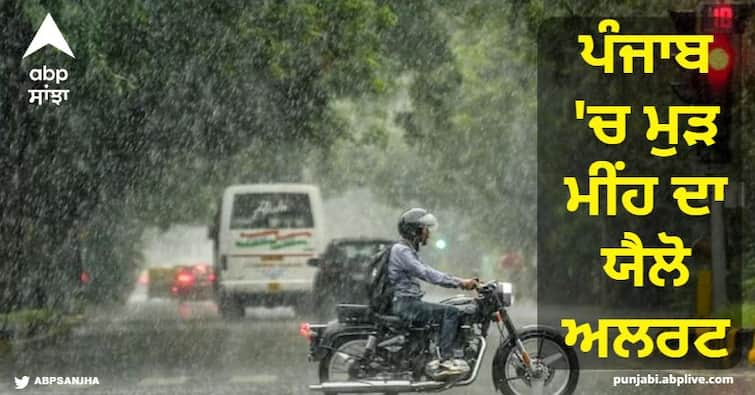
379, 288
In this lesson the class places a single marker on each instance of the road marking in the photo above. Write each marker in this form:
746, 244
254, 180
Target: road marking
254, 379
164, 380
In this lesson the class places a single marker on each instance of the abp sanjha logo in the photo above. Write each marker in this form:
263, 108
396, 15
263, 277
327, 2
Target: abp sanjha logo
24, 381
48, 34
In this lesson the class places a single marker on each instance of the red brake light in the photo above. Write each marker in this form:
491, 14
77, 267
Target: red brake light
184, 278
305, 330
201, 267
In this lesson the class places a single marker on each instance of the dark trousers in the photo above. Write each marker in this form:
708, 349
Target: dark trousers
416, 311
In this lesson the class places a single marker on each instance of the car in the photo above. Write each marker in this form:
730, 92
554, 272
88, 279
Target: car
193, 282
158, 281
342, 273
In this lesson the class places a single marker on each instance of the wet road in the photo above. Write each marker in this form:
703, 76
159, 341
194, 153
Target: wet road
163, 347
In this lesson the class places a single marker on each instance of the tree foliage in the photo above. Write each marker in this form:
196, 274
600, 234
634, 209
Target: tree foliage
165, 98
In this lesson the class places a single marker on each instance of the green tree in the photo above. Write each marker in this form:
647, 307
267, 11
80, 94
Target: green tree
165, 98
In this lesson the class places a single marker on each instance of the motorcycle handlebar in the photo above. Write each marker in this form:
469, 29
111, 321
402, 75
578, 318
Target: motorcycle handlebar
476, 286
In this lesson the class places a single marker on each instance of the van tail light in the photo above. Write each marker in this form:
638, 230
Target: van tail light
185, 278
201, 268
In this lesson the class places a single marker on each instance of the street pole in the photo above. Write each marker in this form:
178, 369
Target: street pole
718, 254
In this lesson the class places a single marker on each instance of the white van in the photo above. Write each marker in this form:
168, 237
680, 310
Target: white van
265, 233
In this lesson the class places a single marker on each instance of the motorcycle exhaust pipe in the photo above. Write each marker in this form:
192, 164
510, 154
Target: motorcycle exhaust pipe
476, 370
377, 386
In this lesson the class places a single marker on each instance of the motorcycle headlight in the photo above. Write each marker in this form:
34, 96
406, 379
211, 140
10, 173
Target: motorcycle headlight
507, 293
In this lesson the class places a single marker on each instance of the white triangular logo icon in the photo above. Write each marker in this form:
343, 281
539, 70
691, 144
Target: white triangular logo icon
48, 34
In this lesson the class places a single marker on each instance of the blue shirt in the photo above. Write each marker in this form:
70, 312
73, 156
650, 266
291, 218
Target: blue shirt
405, 267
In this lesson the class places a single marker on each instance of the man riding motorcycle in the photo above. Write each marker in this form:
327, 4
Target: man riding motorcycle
405, 267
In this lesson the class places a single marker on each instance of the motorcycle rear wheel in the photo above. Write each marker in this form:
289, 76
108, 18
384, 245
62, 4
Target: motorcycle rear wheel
335, 365
545, 347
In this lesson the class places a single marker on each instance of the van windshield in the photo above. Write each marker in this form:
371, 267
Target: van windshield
271, 210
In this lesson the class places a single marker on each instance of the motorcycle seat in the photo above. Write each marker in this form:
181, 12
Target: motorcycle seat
355, 313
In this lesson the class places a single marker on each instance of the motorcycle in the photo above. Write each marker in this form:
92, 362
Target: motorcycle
363, 351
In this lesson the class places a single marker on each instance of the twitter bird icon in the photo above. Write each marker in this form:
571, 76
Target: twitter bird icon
22, 382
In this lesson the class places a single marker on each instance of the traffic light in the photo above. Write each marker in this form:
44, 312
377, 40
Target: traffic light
725, 22
721, 58
440, 244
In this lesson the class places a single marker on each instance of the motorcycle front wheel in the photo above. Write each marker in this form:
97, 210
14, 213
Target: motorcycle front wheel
557, 365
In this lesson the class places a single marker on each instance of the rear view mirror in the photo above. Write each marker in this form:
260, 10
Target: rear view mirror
314, 262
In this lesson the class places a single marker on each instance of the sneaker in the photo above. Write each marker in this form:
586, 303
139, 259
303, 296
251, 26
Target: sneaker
460, 365
432, 368
438, 370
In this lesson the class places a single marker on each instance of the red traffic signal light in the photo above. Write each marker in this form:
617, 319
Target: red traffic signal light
721, 62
